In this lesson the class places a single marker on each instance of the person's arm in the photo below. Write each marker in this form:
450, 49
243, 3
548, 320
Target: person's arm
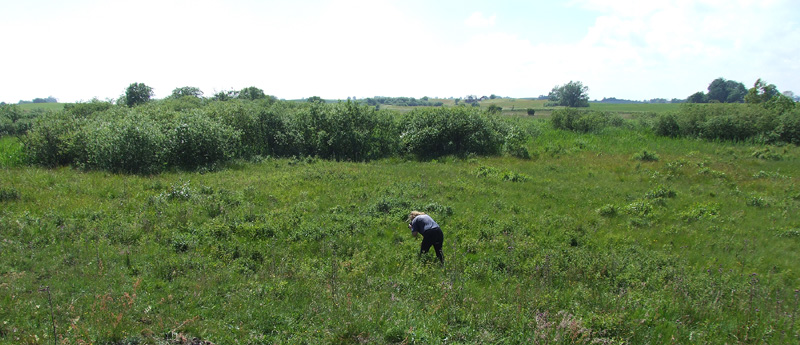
413, 232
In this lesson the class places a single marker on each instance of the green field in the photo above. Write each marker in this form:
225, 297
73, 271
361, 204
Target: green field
657, 108
617, 237
519, 106
44, 106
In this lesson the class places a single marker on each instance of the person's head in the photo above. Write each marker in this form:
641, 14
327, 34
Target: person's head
413, 215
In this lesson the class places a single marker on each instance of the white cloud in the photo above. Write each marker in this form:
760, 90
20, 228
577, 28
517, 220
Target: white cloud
478, 20
692, 41
341, 48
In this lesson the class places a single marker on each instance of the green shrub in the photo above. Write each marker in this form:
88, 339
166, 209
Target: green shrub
531, 111
81, 109
583, 121
342, 131
608, 210
55, 140
730, 122
728, 127
195, 141
15, 121
667, 125
132, 144
258, 125
436, 132
515, 142
789, 127
646, 156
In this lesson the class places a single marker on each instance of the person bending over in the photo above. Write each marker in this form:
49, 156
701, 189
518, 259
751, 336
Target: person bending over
421, 223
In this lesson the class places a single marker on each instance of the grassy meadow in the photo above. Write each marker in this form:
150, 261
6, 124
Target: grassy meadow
42, 106
519, 107
613, 237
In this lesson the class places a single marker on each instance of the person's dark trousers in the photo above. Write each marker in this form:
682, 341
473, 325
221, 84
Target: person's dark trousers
433, 237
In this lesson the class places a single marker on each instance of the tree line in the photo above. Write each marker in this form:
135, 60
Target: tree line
729, 91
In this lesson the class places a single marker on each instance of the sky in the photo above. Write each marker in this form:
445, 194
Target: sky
77, 50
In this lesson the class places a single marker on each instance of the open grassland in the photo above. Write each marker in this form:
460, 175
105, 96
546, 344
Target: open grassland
519, 106
634, 108
42, 106
613, 237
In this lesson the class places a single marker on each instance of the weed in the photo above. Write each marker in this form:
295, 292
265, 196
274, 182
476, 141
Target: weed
660, 192
772, 175
700, 211
791, 233
9, 194
757, 201
767, 153
608, 210
645, 156
504, 175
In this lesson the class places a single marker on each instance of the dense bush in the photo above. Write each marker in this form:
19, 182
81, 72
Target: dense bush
132, 144
732, 122
445, 131
342, 131
667, 125
81, 109
15, 121
788, 128
160, 135
195, 141
55, 139
583, 121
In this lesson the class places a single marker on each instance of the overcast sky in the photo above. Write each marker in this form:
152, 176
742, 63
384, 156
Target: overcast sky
80, 49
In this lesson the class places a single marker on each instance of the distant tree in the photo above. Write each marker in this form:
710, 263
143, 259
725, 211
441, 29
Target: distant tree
494, 109
315, 99
39, 100
697, 97
676, 100
531, 111
138, 93
186, 91
717, 91
726, 91
572, 94
736, 91
769, 96
251, 93
492, 96
761, 92
471, 99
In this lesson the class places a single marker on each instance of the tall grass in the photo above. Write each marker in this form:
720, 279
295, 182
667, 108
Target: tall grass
11, 152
